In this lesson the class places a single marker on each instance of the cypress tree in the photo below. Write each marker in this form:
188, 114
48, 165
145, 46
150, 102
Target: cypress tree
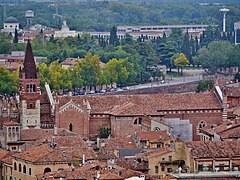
15, 40
113, 36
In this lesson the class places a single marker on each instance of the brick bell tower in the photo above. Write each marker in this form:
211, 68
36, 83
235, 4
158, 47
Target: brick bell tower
29, 82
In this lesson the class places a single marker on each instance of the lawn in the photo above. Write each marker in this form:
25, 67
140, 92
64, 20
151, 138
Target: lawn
174, 74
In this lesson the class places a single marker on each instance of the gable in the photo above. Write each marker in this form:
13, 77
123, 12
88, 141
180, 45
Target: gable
71, 105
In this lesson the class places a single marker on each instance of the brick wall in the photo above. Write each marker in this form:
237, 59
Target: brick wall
97, 121
124, 126
78, 120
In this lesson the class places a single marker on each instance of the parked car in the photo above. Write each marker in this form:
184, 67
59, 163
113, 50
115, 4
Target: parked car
162, 81
119, 89
125, 88
102, 90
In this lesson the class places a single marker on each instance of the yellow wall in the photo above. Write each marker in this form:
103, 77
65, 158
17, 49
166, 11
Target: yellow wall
35, 170
177, 154
6, 172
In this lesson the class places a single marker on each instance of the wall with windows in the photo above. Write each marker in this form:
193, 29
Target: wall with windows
26, 170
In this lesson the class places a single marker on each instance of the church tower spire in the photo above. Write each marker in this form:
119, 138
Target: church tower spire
29, 82
29, 63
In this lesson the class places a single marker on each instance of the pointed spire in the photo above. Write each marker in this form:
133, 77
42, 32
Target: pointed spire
29, 66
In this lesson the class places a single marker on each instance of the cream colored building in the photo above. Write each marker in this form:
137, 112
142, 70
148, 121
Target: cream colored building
10, 24
65, 32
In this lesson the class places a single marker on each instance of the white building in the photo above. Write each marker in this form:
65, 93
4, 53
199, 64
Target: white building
10, 24
65, 32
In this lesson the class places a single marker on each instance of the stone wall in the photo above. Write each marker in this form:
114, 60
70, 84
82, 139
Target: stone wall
181, 88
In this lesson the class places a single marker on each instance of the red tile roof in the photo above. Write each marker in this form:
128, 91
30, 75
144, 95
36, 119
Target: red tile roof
89, 171
41, 134
11, 123
231, 132
154, 136
214, 149
232, 91
146, 104
153, 154
224, 129
110, 176
68, 148
3, 153
108, 146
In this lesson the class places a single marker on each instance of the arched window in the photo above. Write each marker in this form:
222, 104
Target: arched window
30, 171
20, 168
24, 169
156, 129
46, 170
15, 166
138, 120
70, 127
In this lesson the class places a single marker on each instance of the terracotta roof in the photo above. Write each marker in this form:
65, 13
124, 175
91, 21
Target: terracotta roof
89, 171
11, 66
154, 136
7, 160
41, 134
131, 163
231, 132
110, 176
232, 91
3, 153
214, 149
73, 174
67, 148
108, 146
149, 104
224, 129
153, 153
11, 123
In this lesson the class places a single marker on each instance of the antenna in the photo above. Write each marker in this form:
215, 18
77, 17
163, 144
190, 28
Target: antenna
4, 12
224, 12
56, 5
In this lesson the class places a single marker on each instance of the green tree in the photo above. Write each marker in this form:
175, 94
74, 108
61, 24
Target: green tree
218, 54
113, 37
57, 77
91, 70
104, 132
15, 40
204, 85
8, 82
110, 71
77, 80
181, 61
5, 43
